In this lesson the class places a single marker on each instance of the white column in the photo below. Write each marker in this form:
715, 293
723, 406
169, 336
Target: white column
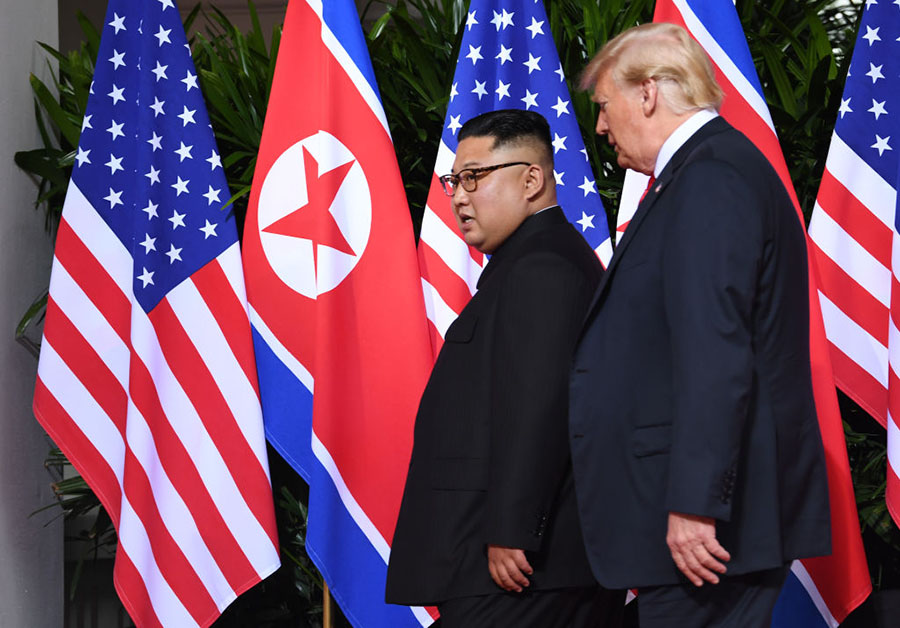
31, 552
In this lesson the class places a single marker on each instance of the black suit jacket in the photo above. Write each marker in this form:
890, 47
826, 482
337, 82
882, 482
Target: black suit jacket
490, 461
691, 389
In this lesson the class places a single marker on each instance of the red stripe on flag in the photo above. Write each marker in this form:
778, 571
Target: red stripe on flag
188, 482
859, 385
442, 207
86, 364
452, 288
855, 218
172, 563
94, 280
133, 592
230, 314
78, 449
193, 374
854, 300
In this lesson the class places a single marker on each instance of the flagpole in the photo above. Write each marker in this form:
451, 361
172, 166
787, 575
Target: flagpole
326, 607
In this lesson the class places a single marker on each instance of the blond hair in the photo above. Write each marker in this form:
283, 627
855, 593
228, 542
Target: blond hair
663, 52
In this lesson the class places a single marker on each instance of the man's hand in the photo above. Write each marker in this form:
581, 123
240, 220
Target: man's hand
692, 541
508, 567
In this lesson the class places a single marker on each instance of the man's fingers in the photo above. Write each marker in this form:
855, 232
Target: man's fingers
513, 571
522, 563
506, 566
682, 565
714, 548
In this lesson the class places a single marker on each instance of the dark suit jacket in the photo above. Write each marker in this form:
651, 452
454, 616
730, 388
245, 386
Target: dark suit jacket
490, 461
691, 389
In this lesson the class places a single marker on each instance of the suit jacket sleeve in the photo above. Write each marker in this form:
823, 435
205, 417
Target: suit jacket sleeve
541, 306
710, 268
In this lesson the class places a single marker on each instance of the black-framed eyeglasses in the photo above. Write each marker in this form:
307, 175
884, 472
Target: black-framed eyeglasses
469, 177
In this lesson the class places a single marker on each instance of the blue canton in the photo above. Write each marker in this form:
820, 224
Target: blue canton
147, 158
869, 116
507, 60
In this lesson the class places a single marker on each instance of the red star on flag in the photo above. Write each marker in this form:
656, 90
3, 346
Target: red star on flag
313, 221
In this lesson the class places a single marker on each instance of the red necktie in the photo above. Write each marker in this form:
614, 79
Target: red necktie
649, 185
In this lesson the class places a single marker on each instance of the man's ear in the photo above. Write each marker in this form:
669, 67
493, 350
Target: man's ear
534, 181
649, 96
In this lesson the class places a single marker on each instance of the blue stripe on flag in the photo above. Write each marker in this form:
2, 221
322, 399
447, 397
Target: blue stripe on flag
287, 407
351, 565
343, 20
724, 24
795, 607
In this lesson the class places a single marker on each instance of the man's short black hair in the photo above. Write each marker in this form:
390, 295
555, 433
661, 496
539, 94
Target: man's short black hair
509, 127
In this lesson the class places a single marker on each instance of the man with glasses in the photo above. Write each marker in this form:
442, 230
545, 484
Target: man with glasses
488, 528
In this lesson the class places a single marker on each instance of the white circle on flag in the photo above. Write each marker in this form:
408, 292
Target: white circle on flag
285, 191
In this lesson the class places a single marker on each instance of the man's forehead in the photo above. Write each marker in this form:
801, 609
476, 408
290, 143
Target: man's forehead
474, 151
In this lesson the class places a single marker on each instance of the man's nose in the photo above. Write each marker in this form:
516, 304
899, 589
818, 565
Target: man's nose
460, 196
602, 127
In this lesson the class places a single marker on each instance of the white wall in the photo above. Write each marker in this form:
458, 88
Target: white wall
31, 567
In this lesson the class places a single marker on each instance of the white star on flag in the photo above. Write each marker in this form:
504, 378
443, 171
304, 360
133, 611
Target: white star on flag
150, 210
561, 106
504, 55
82, 156
559, 143
184, 152
502, 90
588, 187
174, 254
180, 186
163, 36
214, 161
157, 106
146, 277
212, 196
115, 130
114, 163
536, 28
117, 94
209, 229
118, 23
474, 54
187, 116
118, 59
153, 175
160, 71
881, 144
190, 80
149, 244
177, 219
155, 142
875, 72
530, 100
114, 198
586, 222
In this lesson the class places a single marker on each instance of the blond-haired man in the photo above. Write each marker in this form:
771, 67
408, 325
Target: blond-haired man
698, 461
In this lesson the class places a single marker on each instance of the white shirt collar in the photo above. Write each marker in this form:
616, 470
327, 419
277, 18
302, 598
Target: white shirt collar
681, 135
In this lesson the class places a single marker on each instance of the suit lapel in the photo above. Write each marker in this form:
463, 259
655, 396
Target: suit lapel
713, 127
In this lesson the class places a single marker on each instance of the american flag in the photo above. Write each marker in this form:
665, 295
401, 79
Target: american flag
819, 592
339, 324
854, 228
507, 60
147, 378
